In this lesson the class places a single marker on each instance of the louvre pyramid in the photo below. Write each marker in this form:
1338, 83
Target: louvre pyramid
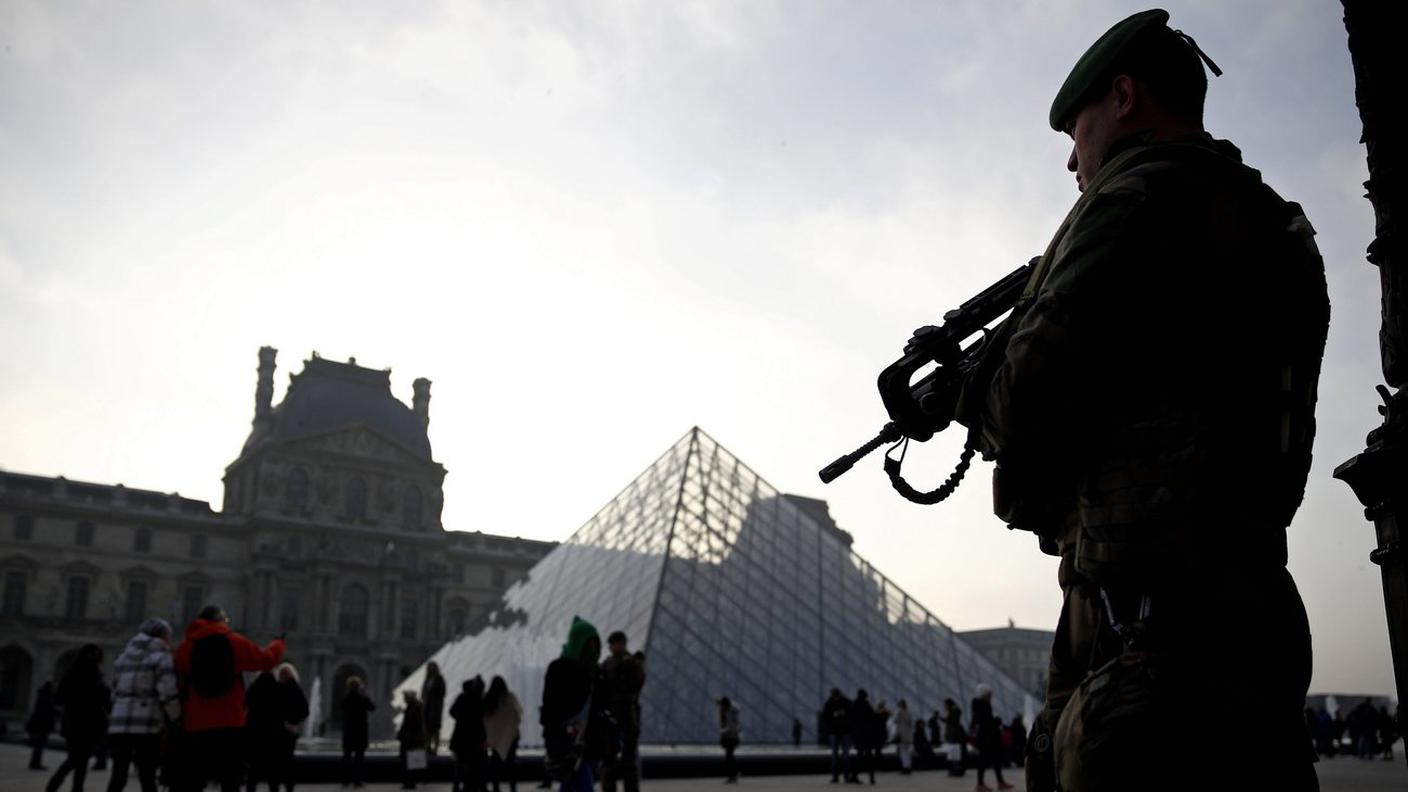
731, 588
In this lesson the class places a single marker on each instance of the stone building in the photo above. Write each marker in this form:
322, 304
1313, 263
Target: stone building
1023, 653
330, 532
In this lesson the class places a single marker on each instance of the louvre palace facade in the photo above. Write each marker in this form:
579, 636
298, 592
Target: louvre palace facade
330, 532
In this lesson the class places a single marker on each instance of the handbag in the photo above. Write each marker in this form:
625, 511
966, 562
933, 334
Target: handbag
417, 759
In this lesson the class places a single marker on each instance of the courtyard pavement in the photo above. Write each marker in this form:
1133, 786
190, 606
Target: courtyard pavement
1336, 775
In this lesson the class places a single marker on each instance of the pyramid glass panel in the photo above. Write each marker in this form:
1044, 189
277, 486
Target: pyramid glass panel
731, 589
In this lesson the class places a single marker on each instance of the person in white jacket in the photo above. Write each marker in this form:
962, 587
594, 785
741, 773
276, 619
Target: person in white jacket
144, 701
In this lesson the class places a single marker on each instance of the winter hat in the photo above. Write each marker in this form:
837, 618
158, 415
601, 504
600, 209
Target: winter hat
156, 628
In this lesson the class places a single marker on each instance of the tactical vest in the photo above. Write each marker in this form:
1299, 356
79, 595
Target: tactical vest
1186, 472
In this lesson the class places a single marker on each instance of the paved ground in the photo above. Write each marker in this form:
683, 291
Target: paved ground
1337, 775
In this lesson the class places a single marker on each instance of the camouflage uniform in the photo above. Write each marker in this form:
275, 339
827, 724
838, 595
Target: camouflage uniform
1150, 405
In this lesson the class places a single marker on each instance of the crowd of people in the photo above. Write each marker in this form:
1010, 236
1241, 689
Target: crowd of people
179, 718
483, 740
855, 724
590, 713
1371, 732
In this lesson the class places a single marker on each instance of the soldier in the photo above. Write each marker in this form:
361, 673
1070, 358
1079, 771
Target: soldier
1150, 405
624, 676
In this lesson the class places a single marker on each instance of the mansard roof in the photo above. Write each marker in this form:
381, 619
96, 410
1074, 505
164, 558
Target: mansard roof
327, 395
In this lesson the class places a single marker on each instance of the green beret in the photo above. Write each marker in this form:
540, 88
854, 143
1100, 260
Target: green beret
1097, 61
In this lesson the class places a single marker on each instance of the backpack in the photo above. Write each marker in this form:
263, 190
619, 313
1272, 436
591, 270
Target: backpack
212, 666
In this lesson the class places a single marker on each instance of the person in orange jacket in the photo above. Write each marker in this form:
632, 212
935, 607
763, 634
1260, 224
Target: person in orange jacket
209, 665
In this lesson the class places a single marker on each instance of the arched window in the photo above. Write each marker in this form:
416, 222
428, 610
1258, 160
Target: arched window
16, 674
296, 493
356, 499
456, 616
352, 611
343, 673
410, 510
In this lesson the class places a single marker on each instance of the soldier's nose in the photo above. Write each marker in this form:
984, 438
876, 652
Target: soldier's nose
1071, 162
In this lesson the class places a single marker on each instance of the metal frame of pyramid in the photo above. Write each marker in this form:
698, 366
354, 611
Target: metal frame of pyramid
732, 589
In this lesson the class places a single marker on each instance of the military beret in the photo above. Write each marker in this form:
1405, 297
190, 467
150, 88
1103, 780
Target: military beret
1097, 61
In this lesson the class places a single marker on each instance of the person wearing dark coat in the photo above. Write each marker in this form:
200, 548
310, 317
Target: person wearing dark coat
954, 734
1019, 739
566, 710
989, 738
432, 694
274, 708
86, 700
836, 719
412, 739
468, 738
863, 728
41, 724
356, 708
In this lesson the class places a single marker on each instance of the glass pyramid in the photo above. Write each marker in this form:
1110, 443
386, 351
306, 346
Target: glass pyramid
730, 588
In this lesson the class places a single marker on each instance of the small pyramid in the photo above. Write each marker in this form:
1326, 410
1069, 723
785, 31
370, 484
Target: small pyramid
731, 589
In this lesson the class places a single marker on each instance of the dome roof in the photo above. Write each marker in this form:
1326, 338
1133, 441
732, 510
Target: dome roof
328, 395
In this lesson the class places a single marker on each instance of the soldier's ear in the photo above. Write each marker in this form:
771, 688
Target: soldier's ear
1125, 92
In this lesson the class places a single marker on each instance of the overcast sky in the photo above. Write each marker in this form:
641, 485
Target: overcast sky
596, 224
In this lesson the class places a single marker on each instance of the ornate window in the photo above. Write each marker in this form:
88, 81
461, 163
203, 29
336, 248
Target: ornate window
16, 674
76, 603
83, 534
352, 611
198, 545
288, 616
16, 584
296, 493
411, 509
410, 619
356, 493
24, 527
142, 541
456, 616
192, 597
136, 601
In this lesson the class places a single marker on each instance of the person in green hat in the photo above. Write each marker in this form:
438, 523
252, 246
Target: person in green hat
1150, 406
567, 707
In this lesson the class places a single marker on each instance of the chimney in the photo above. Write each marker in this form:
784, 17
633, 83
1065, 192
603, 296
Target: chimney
264, 390
420, 402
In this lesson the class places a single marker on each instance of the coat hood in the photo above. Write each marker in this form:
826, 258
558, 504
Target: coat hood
144, 644
199, 628
578, 635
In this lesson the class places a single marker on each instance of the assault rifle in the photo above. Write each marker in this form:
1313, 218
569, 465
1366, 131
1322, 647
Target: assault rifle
921, 408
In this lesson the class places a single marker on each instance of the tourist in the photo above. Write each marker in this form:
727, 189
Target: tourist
210, 663
923, 748
432, 693
468, 738
145, 701
411, 736
904, 736
836, 719
730, 733
356, 709
863, 732
1019, 739
565, 713
41, 724
623, 677
989, 738
955, 738
275, 706
796, 732
503, 716
85, 700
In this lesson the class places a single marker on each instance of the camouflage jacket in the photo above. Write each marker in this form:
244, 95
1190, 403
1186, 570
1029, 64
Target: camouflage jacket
1150, 402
